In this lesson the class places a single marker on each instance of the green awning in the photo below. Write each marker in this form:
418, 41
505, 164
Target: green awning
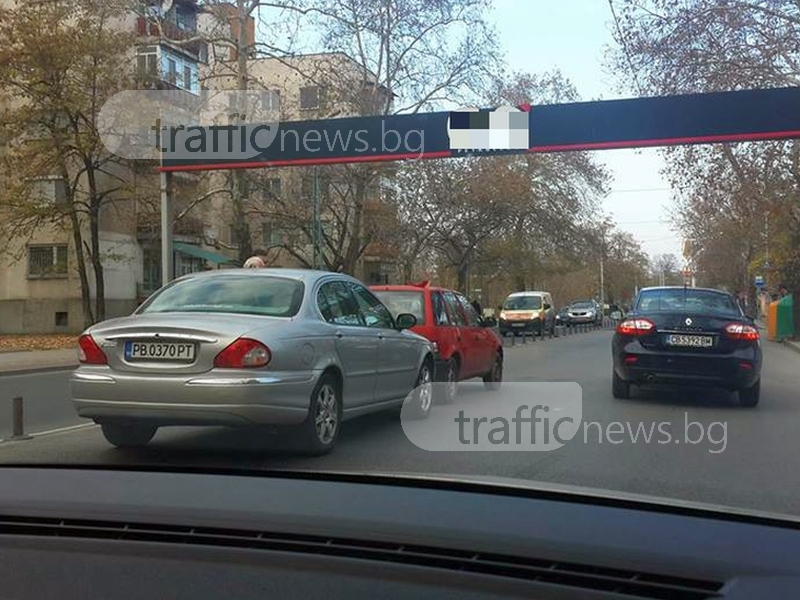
198, 252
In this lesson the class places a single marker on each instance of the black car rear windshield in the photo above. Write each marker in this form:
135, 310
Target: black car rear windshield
523, 303
399, 302
248, 294
689, 300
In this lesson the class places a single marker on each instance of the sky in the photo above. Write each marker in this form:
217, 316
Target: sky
571, 35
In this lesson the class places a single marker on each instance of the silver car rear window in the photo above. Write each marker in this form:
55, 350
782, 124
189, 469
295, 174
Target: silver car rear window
245, 294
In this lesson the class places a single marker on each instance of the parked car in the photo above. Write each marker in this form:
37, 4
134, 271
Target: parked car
562, 317
465, 344
527, 312
297, 348
585, 311
676, 336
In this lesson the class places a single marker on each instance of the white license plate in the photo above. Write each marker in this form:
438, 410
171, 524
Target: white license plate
158, 351
518, 324
693, 341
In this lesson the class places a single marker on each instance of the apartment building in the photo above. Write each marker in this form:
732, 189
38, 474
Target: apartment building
40, 288
280, 202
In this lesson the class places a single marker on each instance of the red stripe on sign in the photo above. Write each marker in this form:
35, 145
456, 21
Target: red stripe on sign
308, 161
705, 139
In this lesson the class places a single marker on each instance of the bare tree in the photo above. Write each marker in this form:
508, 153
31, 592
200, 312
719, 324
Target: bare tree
725, 193
60, 78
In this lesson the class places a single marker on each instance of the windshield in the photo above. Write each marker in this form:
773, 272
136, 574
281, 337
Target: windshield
686, 301
582, 304
404, 302
523, 303
250, 295
624, 159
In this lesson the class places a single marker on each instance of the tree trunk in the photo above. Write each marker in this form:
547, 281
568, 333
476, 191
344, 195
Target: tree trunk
355, 246
407, 270
86, 294
463, 272
94, 241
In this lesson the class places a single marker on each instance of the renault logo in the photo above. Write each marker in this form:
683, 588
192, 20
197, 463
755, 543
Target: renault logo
688, 321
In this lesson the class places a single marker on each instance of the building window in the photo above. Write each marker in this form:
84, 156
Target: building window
189, 264
273, 186
312, 97
147, 61
187, 77
271, 100
62, 319
273, 234
172, 71
47, 260
151, 276
50, 190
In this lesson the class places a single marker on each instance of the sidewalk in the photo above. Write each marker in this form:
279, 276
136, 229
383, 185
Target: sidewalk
37, 361
788, 343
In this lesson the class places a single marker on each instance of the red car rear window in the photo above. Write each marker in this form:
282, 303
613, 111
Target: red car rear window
399, 302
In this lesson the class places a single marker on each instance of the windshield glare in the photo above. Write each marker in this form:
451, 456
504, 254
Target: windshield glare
553, 189
523, 303
244, 294
583, 304
399, 302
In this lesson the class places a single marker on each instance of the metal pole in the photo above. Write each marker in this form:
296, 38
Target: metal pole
166, 230
602, 280
18, 420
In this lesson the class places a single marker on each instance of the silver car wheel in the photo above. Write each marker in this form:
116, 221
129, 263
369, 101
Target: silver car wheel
425, 387
326, 417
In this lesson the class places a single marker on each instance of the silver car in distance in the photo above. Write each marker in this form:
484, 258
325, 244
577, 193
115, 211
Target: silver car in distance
241, 347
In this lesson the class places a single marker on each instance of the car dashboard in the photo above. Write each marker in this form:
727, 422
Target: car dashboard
100, 533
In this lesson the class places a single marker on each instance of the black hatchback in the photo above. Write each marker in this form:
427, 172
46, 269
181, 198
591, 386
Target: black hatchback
684, 336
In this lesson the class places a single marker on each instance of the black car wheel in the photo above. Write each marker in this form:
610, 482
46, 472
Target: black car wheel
749, 397
494, 378
620, 388
448, 389
128, 435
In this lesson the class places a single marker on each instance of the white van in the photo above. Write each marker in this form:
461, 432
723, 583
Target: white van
527, 312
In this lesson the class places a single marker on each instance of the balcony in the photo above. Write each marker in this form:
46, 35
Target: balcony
148, 227
167, 31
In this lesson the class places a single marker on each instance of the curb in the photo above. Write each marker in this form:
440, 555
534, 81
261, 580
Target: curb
35, 370
791, 345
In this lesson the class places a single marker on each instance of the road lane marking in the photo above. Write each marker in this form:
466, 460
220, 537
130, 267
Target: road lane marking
64, 429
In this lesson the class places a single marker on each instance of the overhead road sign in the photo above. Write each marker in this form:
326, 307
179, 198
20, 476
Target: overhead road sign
739, 116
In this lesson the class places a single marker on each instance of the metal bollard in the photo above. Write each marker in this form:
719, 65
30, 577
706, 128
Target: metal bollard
524, 337
18, 420
513, 339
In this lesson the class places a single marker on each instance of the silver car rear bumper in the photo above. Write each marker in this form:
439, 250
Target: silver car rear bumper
232, 398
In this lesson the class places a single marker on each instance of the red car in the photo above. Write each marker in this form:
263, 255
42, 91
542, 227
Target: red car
465, 346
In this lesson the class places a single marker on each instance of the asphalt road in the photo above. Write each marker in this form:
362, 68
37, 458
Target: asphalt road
746, 458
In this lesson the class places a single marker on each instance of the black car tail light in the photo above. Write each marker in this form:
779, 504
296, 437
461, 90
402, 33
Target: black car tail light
636, 326
740, 331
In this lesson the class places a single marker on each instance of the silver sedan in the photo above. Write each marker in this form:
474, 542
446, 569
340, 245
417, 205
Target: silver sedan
298, 348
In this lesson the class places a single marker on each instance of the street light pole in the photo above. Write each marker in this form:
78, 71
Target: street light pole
602, 267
